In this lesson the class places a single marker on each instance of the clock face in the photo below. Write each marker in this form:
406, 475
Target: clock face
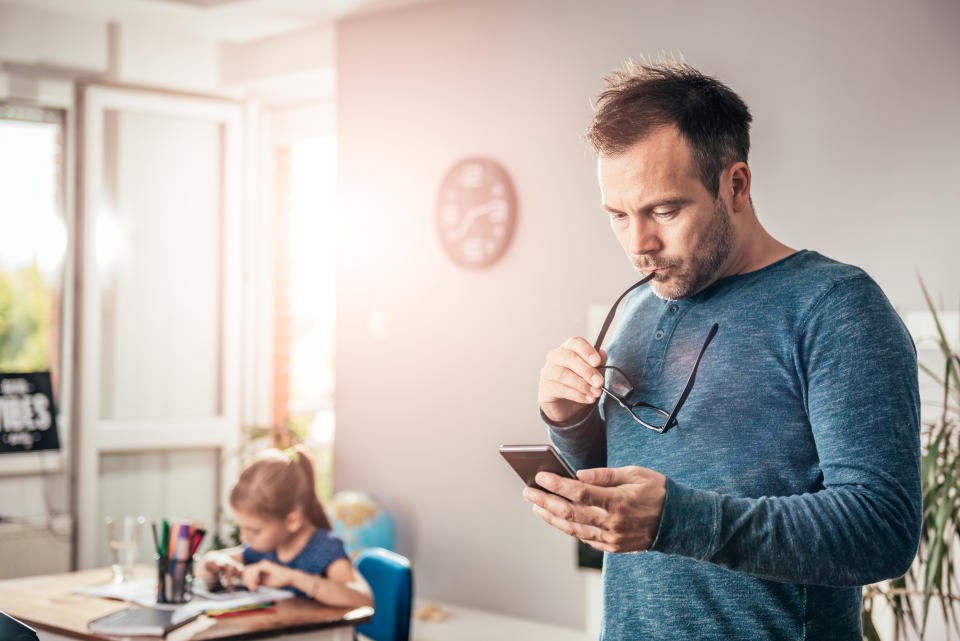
476, 212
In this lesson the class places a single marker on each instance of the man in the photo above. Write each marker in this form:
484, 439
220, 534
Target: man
788, 474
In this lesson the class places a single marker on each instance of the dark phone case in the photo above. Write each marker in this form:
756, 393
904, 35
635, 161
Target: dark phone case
527, 463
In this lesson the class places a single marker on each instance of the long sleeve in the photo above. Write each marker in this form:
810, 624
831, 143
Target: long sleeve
583, 444
857, 368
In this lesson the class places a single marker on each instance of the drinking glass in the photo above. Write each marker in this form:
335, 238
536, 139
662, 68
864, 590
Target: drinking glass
123, 536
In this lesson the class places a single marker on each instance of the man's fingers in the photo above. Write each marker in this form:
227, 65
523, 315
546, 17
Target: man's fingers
574, 490
605, 476
621, 516
570, 377
576, 363
580, 531
551, 391
597, 545
616, 476
555, 505
580, 381
596, 533
579, 504
585, 350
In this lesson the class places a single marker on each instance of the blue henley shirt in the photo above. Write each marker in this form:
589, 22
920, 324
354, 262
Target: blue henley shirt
794, 466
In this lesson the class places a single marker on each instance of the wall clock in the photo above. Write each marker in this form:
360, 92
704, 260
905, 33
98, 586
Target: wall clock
476, 212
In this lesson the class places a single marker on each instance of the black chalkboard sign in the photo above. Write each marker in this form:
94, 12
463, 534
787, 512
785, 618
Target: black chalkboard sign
28, 416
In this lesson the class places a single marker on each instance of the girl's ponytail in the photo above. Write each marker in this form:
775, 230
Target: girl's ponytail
312, 508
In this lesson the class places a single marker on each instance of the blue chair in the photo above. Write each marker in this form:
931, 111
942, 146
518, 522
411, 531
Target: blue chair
391, 580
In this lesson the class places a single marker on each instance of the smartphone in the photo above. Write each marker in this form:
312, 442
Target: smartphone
527, 460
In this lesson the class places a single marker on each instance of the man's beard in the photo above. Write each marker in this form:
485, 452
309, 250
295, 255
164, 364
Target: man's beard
708, 256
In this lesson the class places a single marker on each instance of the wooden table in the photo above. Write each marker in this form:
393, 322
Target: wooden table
50, 605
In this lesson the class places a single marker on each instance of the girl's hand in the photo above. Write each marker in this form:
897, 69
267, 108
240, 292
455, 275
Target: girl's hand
267, 573
218, 569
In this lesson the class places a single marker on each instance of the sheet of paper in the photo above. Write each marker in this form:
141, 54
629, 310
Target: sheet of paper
144, 592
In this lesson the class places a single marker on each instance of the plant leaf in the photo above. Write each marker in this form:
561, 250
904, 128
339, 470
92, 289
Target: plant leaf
934, 564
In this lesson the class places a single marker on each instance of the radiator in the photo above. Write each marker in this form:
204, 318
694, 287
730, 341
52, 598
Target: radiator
33, 547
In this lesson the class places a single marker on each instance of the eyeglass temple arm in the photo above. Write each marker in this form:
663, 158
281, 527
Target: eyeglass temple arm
613, 310
693, 375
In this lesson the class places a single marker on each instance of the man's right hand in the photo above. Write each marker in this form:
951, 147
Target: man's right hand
569, 381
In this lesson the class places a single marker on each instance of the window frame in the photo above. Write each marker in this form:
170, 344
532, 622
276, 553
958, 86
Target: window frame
52, 95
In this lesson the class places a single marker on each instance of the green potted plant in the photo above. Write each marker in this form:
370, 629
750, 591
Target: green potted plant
933, 578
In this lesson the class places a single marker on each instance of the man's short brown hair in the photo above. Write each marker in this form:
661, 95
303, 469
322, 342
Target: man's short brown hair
713, 119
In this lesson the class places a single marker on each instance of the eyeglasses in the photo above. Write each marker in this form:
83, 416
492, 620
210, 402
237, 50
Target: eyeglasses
618, 386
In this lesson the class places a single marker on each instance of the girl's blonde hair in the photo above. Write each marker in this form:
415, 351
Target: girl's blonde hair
278, 482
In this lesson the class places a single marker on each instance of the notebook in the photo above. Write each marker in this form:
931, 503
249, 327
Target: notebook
136, 620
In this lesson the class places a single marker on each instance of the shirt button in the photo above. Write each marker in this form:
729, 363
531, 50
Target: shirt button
659, 334
673, 309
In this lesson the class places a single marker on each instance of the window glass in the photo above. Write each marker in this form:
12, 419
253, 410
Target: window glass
304, 322
33, 239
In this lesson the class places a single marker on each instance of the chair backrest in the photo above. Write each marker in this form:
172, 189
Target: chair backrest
391, 580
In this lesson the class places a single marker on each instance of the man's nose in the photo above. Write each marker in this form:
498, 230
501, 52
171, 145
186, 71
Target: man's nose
643, 238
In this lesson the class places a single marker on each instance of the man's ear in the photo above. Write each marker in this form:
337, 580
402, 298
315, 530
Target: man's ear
294, 521
739, 185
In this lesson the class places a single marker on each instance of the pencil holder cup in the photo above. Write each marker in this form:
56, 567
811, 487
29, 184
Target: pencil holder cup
174, 579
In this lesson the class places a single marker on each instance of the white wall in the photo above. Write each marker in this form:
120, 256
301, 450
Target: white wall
854, 140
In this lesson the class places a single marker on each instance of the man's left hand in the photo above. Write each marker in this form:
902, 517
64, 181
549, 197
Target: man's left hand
614, 509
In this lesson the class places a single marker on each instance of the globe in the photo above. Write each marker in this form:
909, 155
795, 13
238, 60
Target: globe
360, 522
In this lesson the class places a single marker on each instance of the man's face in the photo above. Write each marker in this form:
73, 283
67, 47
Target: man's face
664, 217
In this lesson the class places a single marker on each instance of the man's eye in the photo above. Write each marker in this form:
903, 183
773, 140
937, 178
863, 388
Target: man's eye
618, 217
665, 214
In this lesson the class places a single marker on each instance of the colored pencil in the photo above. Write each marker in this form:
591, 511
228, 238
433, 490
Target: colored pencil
156, 542
164, 534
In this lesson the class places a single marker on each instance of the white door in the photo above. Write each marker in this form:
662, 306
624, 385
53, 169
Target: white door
160, 304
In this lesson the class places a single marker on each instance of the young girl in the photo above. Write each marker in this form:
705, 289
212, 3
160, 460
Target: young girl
287, 542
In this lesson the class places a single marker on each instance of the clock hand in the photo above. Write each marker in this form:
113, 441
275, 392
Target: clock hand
496, 208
